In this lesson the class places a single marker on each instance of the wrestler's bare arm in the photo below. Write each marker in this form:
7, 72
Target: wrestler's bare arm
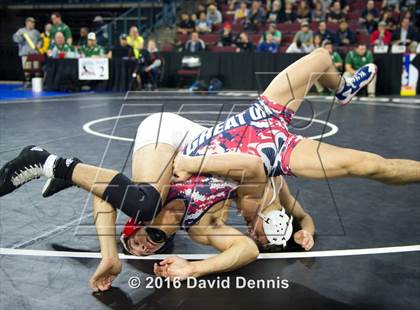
237, 250
293, 207
238, 166
110, 265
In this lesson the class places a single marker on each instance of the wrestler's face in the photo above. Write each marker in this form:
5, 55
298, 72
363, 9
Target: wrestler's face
140, 244
256, 231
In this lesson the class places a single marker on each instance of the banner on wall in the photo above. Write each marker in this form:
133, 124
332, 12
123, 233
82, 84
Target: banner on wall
93, 69
409, 77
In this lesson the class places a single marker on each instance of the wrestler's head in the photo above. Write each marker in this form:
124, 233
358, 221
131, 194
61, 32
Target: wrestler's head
271, 228
147, 238
141, 241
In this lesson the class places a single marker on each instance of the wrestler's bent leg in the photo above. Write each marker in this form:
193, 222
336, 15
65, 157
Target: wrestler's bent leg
136, 200
153, 164
159, 138
291, 85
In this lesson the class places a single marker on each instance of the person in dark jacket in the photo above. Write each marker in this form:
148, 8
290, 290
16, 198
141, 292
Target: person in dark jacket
345, 36
405, 35
195, 44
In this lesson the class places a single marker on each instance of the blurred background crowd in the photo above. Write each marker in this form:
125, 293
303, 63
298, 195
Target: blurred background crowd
353, 31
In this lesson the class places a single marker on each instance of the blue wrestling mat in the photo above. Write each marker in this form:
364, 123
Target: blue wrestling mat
16, 91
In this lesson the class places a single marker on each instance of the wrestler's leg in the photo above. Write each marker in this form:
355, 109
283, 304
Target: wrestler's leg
159, 138
312, 159
153, 164
92, 179
291, 85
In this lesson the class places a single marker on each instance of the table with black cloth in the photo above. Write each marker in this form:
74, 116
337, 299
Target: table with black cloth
239, 71
63, 75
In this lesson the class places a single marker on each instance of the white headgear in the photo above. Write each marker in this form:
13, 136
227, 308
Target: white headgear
277, 226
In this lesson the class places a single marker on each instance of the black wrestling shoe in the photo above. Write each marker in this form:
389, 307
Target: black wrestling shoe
28, 165
53, 186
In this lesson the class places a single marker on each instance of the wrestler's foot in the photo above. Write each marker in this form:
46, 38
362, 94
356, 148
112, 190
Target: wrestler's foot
360, 79
53, 186
28, 165
32, 163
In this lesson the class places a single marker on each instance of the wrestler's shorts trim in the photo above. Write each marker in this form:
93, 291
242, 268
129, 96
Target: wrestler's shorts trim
292, 140
286, 152
279, 109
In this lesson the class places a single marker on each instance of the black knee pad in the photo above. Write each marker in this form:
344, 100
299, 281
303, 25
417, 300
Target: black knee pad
140, 201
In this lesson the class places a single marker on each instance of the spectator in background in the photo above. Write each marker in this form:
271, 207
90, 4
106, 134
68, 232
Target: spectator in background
193, 19
405, 34
297, 47
381, 37
202, 24
214, 15
273, 15
27, 39
241, 13
135, 40
152, 71
303, 12
45, 39
272, 29
325, 33
84, 31
186, 25
233, 5
288, 16
59, 49
345, 36
336, 15
318, 14
243, 44
317, 43
305, 35
195, 44
268, 45
200, 8
59, 26
226, 37
344, 6
356, 59
370, 9
392, 5
370, 24
387, 17
169, 13
92, 48
336, 58
121, 51
337, 61
256, 16
101, 29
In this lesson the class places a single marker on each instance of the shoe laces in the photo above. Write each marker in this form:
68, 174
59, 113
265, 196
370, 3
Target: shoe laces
357, 77
27, 174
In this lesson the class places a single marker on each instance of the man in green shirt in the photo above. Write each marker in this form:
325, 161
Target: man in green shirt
59, 48
356, 59
337, 61
92, 49
59, 26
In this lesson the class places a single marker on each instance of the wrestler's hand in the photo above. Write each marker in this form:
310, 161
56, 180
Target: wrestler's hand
174, 267
304, 239
181, 169
107, 271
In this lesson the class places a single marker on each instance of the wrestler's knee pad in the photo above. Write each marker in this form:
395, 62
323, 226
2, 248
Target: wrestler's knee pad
140, 201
